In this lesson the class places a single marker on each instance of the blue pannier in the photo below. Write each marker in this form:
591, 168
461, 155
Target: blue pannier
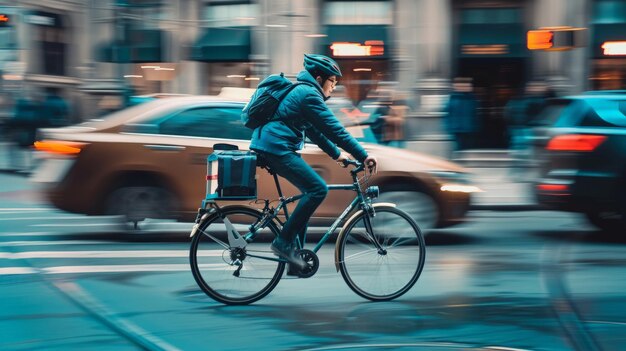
231, 175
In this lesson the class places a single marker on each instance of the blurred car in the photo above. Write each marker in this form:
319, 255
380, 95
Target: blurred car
583, 161
149, 161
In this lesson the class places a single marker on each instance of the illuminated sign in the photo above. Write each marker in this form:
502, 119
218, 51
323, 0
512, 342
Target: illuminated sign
494, 49
539, 39
612, 48
5, 20
370, 48
556, 38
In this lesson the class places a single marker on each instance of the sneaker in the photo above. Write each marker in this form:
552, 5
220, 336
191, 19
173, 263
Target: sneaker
286, 251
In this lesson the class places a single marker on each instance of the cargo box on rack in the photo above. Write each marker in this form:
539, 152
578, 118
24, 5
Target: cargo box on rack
231, 175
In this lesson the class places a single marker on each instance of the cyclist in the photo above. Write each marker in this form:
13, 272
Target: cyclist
304, 112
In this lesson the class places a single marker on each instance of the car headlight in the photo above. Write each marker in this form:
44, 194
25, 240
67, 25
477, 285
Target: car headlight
455, 182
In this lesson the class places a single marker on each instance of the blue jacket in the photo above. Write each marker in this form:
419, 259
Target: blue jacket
461, 114
304, 112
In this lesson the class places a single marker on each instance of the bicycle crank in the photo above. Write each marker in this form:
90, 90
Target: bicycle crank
312, 264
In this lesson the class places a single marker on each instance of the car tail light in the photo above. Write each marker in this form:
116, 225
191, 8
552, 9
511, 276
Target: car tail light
575, 142
553, 187
60, 147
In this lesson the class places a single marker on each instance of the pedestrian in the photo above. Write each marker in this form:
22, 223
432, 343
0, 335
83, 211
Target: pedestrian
23, 126
304, 114
461, 114
56, 110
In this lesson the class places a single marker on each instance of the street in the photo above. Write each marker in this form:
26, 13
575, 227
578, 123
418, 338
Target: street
519, 280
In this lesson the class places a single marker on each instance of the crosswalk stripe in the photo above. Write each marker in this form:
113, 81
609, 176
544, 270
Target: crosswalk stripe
107, 269
108, 254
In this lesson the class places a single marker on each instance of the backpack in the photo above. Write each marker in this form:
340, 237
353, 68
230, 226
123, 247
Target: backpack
266, 99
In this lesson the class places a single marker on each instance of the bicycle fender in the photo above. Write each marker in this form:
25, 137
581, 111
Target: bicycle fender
196, 225
349, 222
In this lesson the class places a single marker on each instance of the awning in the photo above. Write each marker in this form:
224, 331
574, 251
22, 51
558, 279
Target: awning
366, 41
607, 32
140, 46
492, 40
231, 44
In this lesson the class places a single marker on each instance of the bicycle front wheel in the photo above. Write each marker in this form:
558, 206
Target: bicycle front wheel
386, 271
234, 276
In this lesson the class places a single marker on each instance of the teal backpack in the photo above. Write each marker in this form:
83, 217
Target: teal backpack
266, 99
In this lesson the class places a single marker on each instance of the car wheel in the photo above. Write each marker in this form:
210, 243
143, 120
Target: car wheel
608, 221
420, 206
136, 203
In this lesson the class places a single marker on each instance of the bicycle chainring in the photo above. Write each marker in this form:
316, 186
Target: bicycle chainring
312, 261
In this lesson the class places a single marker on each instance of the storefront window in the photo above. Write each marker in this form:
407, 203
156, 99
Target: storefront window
358, 12
231, 15
491, 15
609, 11
608, 74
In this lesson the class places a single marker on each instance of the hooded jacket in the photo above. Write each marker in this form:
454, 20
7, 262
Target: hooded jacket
303, 113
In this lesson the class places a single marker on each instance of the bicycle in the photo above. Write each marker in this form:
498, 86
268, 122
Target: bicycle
379, 251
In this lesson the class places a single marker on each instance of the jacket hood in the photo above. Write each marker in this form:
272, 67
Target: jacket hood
305, 76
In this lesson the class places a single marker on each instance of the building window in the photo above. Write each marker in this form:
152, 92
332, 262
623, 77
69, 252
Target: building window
609, 11
491, 16
230, 15
358, 12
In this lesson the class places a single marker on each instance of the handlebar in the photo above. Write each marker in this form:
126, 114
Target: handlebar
359, 166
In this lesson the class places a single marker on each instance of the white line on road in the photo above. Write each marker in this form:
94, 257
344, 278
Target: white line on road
109, 269
27, 209
17, 270
108, 254
41, 218
60, 242
75, 225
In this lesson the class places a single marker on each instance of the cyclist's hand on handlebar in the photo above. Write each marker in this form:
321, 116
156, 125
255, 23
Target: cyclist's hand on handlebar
341, 160
372, 164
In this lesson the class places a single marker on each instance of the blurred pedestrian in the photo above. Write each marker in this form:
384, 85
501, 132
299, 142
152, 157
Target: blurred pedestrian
23, 127
55, 110
521, 112
461, 118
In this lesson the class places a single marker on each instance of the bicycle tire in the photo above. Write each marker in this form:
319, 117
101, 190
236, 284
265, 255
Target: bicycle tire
215, 274
361, 263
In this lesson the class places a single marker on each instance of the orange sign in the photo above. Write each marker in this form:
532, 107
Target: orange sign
612, 48
371, 48
539, 39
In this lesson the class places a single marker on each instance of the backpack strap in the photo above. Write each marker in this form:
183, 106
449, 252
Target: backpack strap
293, 86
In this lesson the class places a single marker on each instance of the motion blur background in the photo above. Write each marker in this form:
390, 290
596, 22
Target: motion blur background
95, 55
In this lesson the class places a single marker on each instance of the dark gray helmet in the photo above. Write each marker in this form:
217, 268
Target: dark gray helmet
321, 63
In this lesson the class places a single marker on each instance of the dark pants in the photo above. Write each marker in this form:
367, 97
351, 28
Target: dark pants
293, 168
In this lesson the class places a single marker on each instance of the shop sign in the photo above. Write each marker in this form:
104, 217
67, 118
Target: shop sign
493, 49
5, 20
556, 38
369, 48
614, 48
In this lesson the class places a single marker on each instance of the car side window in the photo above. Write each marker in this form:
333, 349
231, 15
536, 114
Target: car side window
209, 122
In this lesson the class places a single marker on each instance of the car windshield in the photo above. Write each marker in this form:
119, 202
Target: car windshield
124, 114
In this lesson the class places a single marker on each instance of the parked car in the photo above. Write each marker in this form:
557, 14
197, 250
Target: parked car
583, 161
149, 161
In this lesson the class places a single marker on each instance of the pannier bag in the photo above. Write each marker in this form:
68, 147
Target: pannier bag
231, 175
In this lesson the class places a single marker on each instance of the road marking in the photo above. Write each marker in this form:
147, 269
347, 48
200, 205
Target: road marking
75, 225
17, 270
108, 254
111, 269
27, 209
40, 218
32, 234
60, 242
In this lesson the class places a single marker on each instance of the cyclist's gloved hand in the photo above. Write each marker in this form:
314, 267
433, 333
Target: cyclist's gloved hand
372, 164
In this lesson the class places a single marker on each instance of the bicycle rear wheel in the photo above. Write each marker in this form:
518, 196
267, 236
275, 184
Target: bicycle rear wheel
381, 275
231, 275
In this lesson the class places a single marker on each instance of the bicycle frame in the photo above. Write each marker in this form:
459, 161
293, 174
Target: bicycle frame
272, 213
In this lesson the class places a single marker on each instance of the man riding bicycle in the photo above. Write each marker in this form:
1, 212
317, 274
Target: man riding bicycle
304, 113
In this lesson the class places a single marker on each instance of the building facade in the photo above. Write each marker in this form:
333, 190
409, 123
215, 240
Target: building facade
97, 53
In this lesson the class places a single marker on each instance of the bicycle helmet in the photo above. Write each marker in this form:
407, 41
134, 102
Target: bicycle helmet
321, 63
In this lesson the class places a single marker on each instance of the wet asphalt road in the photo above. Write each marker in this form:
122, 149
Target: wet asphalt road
535, 280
